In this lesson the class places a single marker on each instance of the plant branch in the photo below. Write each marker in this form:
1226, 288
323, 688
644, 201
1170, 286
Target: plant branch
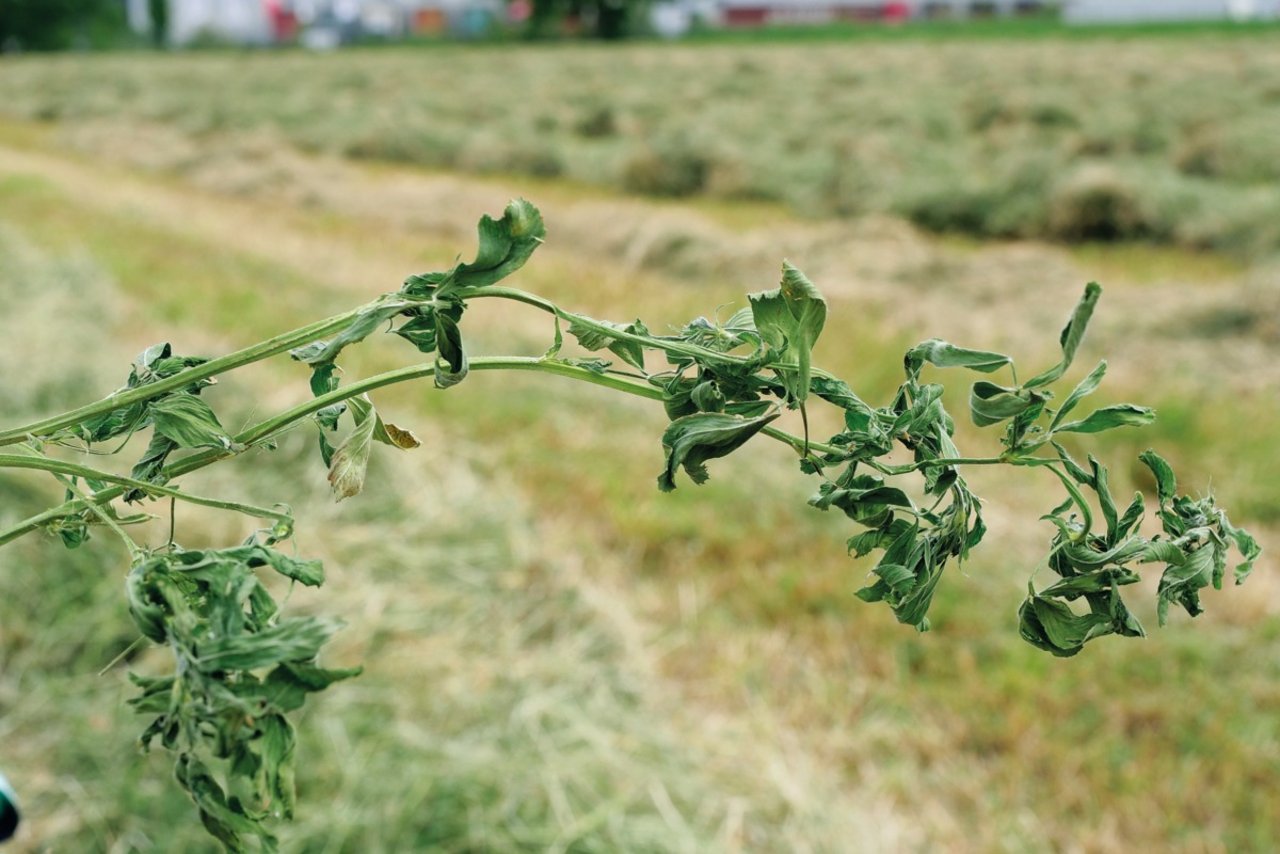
61, 467
654, 342
134, 549
267, 428
221, 365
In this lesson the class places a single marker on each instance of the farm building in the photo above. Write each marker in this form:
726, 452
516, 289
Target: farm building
1133, 11
757, 12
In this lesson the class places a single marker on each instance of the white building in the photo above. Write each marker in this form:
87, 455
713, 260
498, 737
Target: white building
240, 21
1134, 11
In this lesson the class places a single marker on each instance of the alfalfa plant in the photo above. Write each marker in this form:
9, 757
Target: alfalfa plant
241, 666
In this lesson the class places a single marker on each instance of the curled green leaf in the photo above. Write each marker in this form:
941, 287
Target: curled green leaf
451, 365
505, 245
350, 460
1166, 482
594, 335
942, 354
692, 440
990, 403
1052, 626
188, 422
789, 319
1086, 387
322, 352
1072, 335
1110, 417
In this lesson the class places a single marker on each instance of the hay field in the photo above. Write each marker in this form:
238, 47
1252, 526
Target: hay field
1169, 140
558, 657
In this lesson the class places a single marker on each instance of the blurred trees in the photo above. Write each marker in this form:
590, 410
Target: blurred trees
158, 11
56, 24
606, 19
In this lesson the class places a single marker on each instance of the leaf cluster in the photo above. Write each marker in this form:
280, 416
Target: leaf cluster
181, 419
239, 668
428, 310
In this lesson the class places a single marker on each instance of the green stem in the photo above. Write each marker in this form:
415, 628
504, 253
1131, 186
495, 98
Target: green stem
965, 461
61, 467
240, 358
682, 348
134, 549
667, 345
319, 329
266, 429
799, 444
1077, 496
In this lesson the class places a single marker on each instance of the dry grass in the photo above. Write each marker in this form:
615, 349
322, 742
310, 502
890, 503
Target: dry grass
1167, 140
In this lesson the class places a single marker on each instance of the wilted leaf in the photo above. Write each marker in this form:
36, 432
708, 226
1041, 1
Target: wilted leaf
990, 403
151, 465
693, 439
1132, 517
321, 352
505, 245
451, 365
1052, 626
1166, 482
351, 459
308, 572
1072, 335
1086, 387
592, 338
1110, 417
420, 330
1181, 583
838, 393
278, 746
295, 639
398, 437
226, 821
864, 499
790, 319
384, 432
941, 354
286, 687
188, 422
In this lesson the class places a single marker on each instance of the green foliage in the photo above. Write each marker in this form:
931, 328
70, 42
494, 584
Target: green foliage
606, 19
238, 668
241, 666
58, 24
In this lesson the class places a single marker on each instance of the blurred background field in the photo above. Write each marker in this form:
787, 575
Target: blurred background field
1093, 139
557, 656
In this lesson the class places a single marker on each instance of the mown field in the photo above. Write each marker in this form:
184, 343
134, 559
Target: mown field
557, 656
1163, 139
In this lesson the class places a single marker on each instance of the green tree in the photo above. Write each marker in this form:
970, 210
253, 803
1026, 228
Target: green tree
606, 19
59, 24
158, 11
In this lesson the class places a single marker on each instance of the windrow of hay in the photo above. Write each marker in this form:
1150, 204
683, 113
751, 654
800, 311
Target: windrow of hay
1167, 140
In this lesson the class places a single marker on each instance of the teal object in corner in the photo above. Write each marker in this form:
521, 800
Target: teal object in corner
8, 810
